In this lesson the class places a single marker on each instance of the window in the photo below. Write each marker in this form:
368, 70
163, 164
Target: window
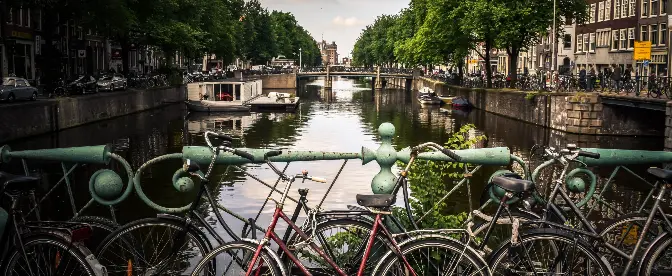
585, 42
592, 13
80, 33
645, 8
631, 38
614, 40
600, 12
20, 82
592, 42
653, 34
38, 20
607, 10
623, 39
624, 8
567, 42
633, 4
663, 6
645, 33
654, 7
579, 43
27, 21
617, 9
663, 34
10, 16
16, 17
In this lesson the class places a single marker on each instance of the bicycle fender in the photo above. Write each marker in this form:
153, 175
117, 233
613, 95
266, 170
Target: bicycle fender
271, 253
427, 236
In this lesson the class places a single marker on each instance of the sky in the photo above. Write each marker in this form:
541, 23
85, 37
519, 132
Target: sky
337, 20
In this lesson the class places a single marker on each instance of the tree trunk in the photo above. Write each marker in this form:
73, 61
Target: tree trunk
513, 65
488, 69
125, 49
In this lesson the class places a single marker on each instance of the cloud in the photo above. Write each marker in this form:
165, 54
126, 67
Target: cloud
342, 21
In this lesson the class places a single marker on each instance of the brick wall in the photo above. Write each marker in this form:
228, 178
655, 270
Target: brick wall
584, 114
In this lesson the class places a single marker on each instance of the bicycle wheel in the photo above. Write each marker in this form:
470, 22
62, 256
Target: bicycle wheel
234, 258
344, 241
547, 252
47, 255
146, 246
435, 257
656, 260
623, 233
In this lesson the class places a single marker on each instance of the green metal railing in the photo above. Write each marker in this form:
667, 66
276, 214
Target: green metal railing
107, 188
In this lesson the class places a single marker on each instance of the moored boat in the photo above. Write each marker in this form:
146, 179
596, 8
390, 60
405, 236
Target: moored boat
427, 96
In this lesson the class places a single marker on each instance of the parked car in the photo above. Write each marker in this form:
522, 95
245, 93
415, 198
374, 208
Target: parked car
112, 82
14, 88
83, 84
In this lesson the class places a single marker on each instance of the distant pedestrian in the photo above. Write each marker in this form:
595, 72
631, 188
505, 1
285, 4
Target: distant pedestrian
616, 77
591, 78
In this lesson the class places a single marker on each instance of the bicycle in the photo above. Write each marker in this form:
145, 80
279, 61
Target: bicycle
44, 247
376, 205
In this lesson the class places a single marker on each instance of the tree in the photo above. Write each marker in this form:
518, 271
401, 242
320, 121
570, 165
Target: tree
526, 19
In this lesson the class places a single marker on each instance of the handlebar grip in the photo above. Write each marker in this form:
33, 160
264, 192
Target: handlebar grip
243, 154
589, 154
319, 179
273, 153
451, 154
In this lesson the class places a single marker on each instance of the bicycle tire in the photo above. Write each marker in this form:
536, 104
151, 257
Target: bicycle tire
121, 243
468, 262
651, 255
348, 261
227, 248
556, 237
628, 224
67, 250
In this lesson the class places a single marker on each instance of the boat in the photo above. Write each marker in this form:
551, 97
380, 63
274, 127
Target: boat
222, 96
274, 101
427, 96
460, 102
215, 106
447, 99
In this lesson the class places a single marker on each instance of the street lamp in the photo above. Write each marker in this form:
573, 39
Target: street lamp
300, 60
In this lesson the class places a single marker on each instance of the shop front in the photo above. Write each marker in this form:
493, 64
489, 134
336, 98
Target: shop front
20, 55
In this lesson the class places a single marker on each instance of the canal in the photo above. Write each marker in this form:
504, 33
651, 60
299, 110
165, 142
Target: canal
342, 120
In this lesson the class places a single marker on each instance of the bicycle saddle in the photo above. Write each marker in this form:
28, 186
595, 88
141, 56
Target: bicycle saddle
662, 174
512, 184
375, 201
17, 183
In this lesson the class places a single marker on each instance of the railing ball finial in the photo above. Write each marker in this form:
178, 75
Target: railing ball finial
106, 184
385, 155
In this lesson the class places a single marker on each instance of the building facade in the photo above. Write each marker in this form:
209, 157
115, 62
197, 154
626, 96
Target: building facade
329, 53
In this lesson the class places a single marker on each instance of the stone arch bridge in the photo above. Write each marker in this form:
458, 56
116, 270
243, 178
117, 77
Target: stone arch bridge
377, 73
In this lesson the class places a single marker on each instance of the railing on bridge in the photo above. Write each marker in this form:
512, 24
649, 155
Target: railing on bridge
364, 70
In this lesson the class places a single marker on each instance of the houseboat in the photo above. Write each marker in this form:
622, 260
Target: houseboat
222, 96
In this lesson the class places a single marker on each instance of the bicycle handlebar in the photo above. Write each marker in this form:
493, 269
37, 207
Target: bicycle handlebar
242, 154
448, 152
588, 154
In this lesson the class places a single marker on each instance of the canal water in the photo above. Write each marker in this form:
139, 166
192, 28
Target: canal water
343, 120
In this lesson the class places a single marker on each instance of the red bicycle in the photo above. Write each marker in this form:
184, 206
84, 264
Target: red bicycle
430, 256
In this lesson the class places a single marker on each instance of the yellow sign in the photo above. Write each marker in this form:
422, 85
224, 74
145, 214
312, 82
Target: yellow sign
642, 50
21, 35
473, 61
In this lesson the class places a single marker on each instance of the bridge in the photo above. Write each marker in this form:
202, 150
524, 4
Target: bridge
377, 73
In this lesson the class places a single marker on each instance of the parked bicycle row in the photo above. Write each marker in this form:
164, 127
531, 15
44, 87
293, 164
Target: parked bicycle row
649, 86
534, 230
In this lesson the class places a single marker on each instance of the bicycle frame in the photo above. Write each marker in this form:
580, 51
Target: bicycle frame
270, 235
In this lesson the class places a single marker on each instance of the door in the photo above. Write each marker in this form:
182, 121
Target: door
22, 90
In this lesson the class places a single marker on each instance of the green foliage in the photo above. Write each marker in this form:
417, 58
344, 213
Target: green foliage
530, 96
443, 31
429, 181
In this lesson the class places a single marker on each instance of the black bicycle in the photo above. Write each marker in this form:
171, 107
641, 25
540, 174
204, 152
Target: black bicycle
43, 247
